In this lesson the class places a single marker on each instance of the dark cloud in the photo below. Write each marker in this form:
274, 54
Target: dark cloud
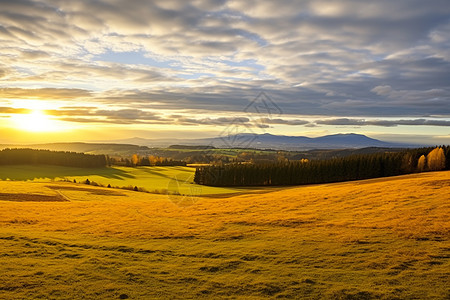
314, 100
11, 110
44, 93
386, 123
34, 54
79, 114
127, 114
283, 121
3, 72
72, 111
139, 116
94, 115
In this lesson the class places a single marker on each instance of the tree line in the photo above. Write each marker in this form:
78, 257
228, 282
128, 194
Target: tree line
47, 157
150, 160
354, 167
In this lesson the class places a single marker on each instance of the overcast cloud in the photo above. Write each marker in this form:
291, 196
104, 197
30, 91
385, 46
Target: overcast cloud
344, 59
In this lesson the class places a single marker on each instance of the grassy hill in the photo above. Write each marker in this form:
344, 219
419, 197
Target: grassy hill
373, 239
178, 180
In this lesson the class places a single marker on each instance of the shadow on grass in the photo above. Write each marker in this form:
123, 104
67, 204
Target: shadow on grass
162, 174
24, 172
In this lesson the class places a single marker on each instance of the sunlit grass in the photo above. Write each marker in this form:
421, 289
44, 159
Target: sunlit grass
153, 179
381, 238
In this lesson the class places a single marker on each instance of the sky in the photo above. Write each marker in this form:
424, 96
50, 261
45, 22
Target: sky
110, 70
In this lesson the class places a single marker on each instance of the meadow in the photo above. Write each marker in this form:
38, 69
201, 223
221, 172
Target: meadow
162, 180
374, 239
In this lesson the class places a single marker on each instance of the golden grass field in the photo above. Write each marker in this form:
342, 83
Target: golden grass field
373, 239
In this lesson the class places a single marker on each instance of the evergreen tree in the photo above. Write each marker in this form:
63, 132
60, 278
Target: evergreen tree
353, 167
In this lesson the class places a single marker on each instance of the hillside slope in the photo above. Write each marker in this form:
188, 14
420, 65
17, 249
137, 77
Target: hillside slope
373, 239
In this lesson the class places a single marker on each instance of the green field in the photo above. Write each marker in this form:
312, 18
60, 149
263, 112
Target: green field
152, 179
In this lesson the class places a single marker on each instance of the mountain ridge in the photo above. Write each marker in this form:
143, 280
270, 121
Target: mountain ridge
279, 142
242, 140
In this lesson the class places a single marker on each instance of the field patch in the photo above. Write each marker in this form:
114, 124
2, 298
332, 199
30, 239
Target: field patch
22, 197
93, 191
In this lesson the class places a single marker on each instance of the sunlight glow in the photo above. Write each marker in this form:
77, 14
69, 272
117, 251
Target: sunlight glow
36, 121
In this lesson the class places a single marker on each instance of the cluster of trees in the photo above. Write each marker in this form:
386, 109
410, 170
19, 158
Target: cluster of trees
352, 167
207, 158
212, 155
151, 160
191, 147
226, 156
434, 161
47, 157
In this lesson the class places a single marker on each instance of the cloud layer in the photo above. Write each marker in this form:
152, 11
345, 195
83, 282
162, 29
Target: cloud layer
138, 61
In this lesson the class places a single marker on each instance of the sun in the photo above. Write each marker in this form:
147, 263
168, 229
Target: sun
35, 121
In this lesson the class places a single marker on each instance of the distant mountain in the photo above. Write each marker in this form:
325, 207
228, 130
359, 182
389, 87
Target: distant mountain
336, 141
244, 140
279, 142
351, 140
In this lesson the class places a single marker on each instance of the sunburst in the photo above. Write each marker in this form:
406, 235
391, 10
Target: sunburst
35, 121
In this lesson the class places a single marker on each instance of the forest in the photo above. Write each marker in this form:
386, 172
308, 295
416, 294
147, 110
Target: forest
353, 167
145, 160
47, 157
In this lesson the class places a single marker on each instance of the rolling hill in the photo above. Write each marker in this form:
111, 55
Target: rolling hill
383, 238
